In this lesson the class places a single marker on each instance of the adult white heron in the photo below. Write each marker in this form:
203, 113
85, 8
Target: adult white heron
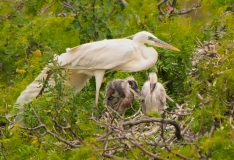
154, 95
93, 59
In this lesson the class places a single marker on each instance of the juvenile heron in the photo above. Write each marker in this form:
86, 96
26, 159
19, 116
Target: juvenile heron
154, 95
120, 94
93, 59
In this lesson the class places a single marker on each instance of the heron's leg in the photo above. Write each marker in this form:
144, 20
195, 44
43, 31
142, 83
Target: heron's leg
99, 74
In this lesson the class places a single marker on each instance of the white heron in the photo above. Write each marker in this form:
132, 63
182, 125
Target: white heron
154, 95
93, 59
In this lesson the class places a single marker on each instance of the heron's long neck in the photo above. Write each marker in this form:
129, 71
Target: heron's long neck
150, 57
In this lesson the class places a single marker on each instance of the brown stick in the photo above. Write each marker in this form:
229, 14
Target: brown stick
70, 143
43, 86
143, 149
160, 120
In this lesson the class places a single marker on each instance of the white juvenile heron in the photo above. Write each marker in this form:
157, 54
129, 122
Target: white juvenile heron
154, 95
93, 59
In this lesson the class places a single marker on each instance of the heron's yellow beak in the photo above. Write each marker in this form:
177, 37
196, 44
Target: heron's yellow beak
160, 43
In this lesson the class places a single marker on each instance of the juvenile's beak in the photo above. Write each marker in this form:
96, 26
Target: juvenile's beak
138, 92
162, 44
152, 86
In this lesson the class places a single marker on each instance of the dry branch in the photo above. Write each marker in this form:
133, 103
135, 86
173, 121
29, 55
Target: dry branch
171, 8
144, 150
74, 143
17, 8
160, 120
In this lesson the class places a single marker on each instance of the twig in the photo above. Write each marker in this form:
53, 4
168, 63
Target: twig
113, 111
231, 117
44, 83
167, 82
19, 7
46, 8
101, 138
197, 147
194, 7
173, 11
3, 153
160, 120
131, 117
200, 97
199, 42
170, 99
75, 143
111, 156
159, 7
111, 13
143, 149
165, 143
212, 129
186, 114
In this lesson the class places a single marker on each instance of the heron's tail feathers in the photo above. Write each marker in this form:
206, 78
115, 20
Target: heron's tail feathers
32, 91
35, 89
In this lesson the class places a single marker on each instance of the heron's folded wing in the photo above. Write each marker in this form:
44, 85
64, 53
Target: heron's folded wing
106, 54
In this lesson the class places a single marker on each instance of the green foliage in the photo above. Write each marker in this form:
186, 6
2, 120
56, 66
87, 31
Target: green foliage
221, 143
213, 83
214, 78
48, 27
154, 114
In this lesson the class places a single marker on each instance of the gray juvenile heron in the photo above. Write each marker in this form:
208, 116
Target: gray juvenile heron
93, 59
154, 95
120, 94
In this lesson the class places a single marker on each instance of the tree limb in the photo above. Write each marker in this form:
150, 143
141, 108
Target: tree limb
160, 120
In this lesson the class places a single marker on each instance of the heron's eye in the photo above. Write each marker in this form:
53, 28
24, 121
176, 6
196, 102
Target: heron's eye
149, 37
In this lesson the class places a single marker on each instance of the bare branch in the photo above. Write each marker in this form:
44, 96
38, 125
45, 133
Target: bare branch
186, 11
75, 143
111, 13
171, 8
111, 156
2, 148
212, 129
160, 120
144, 150
48, 7
19, 7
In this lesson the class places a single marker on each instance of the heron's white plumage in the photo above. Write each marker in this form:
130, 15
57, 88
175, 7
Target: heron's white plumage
92, 59
156, 100
31, 92
115, 54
